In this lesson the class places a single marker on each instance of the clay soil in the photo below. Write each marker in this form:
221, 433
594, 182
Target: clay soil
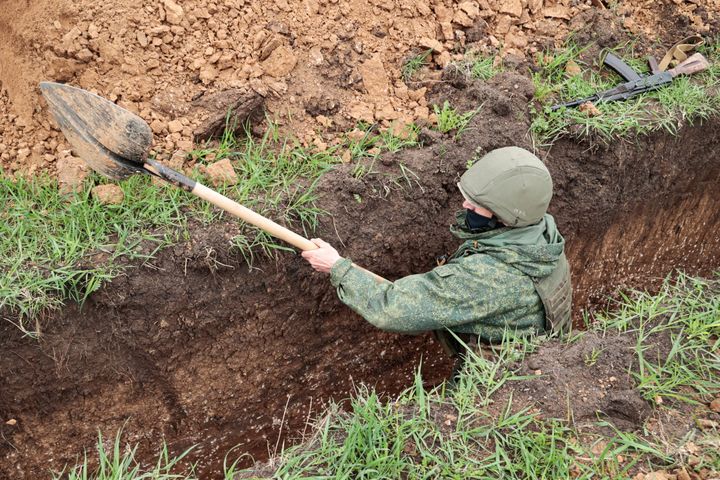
193, 348
316, 66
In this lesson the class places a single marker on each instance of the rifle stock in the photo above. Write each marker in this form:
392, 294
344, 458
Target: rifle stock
693, 64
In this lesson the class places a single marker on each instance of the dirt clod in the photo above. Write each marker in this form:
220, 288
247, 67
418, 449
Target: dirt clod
222, 172
590, 109
71, 172
230, 107
109, 194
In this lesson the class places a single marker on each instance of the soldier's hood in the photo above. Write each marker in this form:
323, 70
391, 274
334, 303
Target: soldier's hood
534, 249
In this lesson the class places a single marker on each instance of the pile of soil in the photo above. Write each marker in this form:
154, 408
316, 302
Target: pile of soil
317, 66
194, 348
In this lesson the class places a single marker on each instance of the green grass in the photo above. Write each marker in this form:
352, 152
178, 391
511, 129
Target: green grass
450, 434
368, 143
685, 100
449, 120
478, 67
686, 314
412, 65
50, 243
119, 463
56, 247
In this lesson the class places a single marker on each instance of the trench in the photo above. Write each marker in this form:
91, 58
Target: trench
197, 349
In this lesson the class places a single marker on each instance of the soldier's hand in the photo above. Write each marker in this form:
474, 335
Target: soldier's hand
323, 258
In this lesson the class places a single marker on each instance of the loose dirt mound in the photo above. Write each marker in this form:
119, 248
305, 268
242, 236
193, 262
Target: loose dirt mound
319, 65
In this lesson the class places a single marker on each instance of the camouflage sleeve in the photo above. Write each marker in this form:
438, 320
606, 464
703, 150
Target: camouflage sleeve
446, 296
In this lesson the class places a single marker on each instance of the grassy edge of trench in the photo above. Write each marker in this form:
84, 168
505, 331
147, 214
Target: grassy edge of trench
448, 432
57, 246
568, 74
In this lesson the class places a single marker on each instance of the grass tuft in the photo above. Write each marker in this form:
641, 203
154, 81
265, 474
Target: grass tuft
412, 65
683, 318
449, 120
119, 463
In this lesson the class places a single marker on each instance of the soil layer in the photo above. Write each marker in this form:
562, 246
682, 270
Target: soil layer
318, 66
194, 348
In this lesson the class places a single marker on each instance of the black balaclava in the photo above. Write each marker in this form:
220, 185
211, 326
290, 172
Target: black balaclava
474, 221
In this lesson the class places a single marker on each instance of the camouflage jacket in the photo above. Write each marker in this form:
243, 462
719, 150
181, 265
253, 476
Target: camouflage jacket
485, 288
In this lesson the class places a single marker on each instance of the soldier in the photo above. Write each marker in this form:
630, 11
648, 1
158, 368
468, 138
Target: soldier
510, 273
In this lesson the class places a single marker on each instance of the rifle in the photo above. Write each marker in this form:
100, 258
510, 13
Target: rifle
635, 83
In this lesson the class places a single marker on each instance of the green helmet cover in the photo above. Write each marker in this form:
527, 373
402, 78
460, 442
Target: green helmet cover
512, 183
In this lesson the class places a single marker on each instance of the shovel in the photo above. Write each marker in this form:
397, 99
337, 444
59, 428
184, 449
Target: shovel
115, 143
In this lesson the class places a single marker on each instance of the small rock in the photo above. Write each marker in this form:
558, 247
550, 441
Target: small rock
93, 31
269, 47
657, 475
281, 62
431, 43
157, 126
109, 194
400, 130
534, 6
374, 77
472, 9
142, 38
174, 13
222, 172
443, 59
572, 69
511, 7
534, 363
71, 171
361, 111
682, 474
23, 153
175, 126
592, 111
11, 422
557, 11
84, 55
208, 74
715, 405
463, 19
705, 424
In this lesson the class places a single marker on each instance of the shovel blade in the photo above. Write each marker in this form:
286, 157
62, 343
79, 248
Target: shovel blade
111, 140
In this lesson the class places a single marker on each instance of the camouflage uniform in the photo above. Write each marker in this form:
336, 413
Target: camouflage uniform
485, 288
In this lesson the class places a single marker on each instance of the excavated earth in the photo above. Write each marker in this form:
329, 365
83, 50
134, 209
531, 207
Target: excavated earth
195, 349
317, 67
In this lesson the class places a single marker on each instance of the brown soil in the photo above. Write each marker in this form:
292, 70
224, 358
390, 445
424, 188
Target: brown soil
318, 66
193, 351
193, 347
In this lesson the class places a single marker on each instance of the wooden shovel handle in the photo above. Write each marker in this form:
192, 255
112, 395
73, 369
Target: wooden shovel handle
234, 208
264, 223
252, 217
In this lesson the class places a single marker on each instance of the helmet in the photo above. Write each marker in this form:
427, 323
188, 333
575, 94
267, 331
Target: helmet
511, 182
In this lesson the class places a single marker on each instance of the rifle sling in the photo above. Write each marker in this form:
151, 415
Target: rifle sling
679, 52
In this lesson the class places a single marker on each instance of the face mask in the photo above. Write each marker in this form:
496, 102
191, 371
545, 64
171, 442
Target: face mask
475, 221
